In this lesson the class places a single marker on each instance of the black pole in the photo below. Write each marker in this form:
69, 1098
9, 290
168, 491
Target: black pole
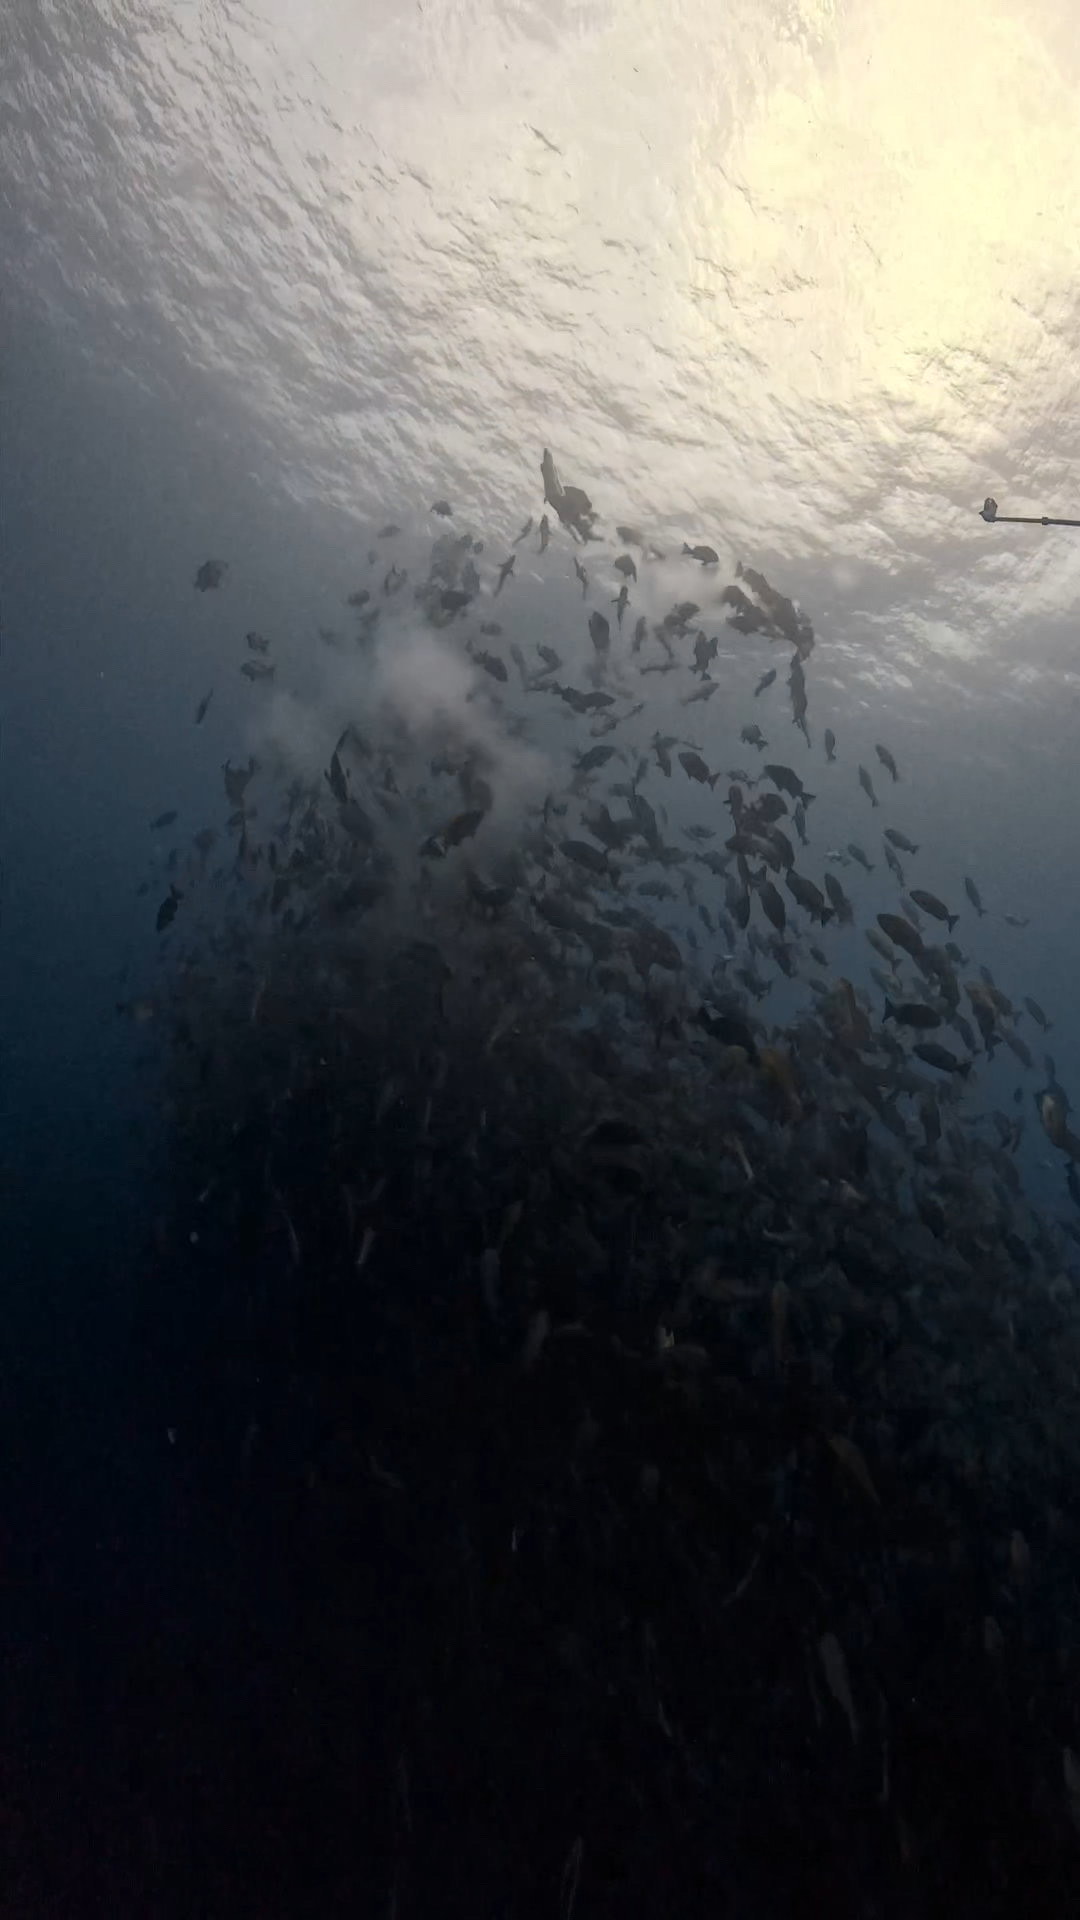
989, 512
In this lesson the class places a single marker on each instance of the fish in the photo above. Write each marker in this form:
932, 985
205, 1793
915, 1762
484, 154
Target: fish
210, 574
599, 632
639, 634
940, 1057
582, 576
752, 736
1038, 1015
164, 820
391, 528
596, 757
881, 945
454, 599
1014, 920
901, 934
706, 555
858, 854
548, 655
237, 780
505, 571
625, 565
893, 864
621, 602
591, 857
525, 532
395, 579
544, 531
788, 782
799, 817
773, 905
697, 769
809, 897
972, 892
765, 681
930, 904
900, 840
492, 664
335, 779
912, 1013
358, 599
887, 761
258, 670
830, 744
256, 641
704, 652
584, 702
443, 507
1018, 1046
867, 786
838, 900
166, 913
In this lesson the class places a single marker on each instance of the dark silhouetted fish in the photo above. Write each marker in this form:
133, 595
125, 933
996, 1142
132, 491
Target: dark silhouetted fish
622, 602
599, 632
166, 913
936, 908
523, 535
901, 934
752, 736
335, 779
584, 702
443, 507
765, 681
838, 900
492, 664
788, 782
887, 761
164, 820
808, 896
256, 642
857, 853
210, 574
830, 744
867, 786
912, 1013
695, 766
972, 892
706, 555
941, 1058
203, 707
545, 531
505, 571
625, 565
900, 840
1038, 1015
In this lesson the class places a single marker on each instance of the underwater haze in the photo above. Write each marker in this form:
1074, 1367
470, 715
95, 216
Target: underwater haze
313, 321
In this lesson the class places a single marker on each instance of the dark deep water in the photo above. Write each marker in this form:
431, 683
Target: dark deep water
337, 1576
